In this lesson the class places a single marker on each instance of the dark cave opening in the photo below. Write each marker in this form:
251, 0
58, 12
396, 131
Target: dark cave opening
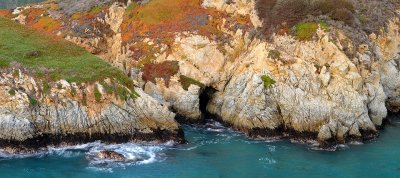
205, 97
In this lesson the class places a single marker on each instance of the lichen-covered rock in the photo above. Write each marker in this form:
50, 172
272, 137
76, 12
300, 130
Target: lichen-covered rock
29, 118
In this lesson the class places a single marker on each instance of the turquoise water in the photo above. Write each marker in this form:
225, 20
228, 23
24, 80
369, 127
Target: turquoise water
8, 4
215, 151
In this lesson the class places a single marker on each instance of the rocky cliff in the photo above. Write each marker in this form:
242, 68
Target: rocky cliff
35, 114
322, 69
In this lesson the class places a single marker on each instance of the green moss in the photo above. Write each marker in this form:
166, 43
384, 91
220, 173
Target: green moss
306, 30
97, 94
274, 54
12, 92
187, 81
268, 81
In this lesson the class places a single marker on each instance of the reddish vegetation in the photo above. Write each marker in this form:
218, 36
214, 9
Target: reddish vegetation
5, 13
164, 70
163, 18
37, 19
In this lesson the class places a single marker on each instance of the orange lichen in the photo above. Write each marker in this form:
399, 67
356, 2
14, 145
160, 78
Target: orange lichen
163, 18
5, 13
47, 24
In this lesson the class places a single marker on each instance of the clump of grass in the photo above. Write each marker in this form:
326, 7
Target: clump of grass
12, 92
84, 99
32, 101
45, 87
274, 54
16, 73
268, 81
97, 94
306, 30
73, 92
187, 81
108, 88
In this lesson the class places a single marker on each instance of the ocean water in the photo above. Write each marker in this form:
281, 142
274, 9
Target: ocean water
213, 151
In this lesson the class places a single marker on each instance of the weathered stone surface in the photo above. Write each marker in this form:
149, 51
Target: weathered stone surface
60, 115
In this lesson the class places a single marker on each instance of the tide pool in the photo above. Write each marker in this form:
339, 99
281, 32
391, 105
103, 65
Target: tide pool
214, 151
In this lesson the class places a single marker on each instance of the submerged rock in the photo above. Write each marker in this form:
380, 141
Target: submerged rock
112, 155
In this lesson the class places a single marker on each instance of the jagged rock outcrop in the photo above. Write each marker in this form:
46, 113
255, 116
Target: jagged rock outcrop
67, 113
337, 85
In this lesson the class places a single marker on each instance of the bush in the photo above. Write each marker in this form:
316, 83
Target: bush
268, 81
164, 70
275, 12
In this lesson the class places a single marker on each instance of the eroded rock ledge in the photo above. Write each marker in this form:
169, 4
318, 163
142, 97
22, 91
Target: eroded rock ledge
35, 114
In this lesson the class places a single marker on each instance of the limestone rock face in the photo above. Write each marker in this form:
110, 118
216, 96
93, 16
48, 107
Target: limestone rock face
26, 115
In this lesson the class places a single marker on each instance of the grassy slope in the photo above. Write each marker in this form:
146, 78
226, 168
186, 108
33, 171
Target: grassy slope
62, 60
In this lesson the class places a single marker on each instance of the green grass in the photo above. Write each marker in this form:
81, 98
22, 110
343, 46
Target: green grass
306, 30
268, 81
53, 59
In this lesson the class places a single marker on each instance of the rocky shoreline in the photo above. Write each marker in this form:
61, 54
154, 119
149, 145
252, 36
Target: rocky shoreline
333, 82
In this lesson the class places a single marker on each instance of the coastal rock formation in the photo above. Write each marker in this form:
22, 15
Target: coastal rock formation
332, 76
112, 155
35, 115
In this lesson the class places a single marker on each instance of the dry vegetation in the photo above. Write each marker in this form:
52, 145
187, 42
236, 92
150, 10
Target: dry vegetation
277, 13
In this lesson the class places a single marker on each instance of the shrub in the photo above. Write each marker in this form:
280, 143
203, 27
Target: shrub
275, 12
164, 70
268, 81
343, 15
187, 81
